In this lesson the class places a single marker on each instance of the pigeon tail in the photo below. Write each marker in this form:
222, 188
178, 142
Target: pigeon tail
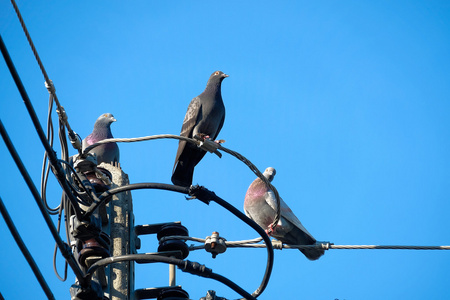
182, 175
298, 237
312, 254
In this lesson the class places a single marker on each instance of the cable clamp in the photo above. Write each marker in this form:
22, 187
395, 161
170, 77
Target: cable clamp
75, 140
324, 245
215, 244
85, 164
209, 145
278, 245
102, 177
62, 114
50, 87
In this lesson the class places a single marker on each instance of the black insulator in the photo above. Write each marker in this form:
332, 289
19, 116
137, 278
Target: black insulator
174, 245
172, 229
173, 294
168, 244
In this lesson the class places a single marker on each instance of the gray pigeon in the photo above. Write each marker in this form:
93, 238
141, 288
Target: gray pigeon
260, 205
108, 153
204, 117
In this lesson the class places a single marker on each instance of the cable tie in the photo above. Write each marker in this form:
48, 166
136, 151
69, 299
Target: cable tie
277, 245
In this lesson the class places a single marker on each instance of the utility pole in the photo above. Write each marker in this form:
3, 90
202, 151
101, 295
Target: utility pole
121, 232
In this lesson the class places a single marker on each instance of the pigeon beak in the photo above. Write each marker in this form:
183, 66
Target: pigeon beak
113, 119
225, 75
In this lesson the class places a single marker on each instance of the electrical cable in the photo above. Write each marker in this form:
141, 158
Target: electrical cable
58, 227
57, 169
103, 198
12, 228
45, 167
205, 196
64, 248
49, 83
270, 255
207, 146
91, 196
184, 265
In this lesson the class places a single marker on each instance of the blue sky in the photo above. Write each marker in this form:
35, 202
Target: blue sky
348, 100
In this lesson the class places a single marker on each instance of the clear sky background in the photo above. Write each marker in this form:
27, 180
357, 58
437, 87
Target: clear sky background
348, 100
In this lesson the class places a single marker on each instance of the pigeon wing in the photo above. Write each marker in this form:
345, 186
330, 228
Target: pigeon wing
286, 212
190, 120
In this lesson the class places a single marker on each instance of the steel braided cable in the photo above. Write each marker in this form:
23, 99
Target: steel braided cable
320, 245
49, 83
240, 157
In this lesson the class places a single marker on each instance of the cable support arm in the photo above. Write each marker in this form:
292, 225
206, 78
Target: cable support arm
63, 247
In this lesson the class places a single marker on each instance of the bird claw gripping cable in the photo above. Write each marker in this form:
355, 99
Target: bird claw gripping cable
208, 145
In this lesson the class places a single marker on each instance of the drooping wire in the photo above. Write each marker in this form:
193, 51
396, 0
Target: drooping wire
58, 227
45, 166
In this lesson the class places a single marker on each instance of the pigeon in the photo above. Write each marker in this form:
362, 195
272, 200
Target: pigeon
108, 153
204, 117
260, 205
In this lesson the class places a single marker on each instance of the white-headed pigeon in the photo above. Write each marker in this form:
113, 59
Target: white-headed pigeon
260, 205
204, 117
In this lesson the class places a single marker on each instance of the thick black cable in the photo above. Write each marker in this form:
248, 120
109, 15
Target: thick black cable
12, 228
57, 169
63, 247
135, 186
205, 196
270, 255
183, 265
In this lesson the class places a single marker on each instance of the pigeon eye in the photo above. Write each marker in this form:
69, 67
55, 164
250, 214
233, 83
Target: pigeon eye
217, 73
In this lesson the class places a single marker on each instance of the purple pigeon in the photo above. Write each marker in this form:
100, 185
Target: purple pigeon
108, 153
204, 117
260, 206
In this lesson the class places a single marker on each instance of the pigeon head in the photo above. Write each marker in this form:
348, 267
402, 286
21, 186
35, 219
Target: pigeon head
269, 173
215, 80
104, 120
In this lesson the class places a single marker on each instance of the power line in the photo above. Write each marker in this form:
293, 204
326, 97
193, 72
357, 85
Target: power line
59, 172
12, 228
49, 84
206, 145
63, 247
